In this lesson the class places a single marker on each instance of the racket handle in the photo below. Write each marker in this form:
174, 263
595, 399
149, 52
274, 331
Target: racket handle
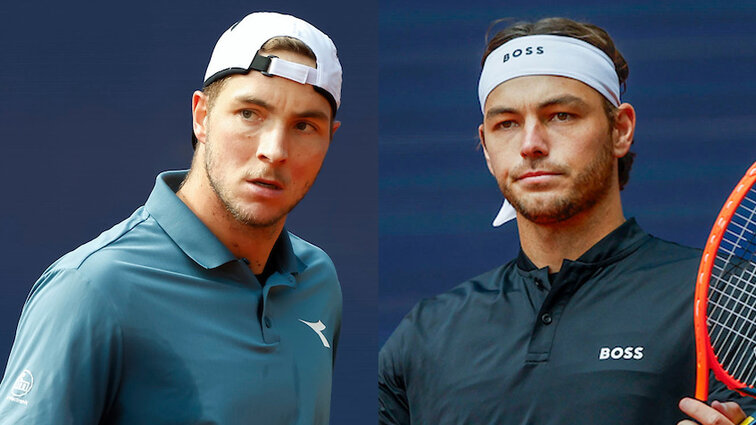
747, 421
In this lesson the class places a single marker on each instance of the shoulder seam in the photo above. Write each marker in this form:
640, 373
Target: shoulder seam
110, 242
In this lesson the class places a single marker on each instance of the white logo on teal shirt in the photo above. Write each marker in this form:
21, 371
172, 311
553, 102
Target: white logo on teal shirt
318, 327
21, 387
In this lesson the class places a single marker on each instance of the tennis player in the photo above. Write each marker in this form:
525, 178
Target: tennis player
201, 307
592, 323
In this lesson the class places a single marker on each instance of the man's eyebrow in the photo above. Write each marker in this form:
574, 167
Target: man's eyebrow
314, 114
254, 101
566, 99
499, 110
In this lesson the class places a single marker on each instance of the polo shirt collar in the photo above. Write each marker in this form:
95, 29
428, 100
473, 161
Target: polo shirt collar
618, 244
181, 225
194, 238
284, 256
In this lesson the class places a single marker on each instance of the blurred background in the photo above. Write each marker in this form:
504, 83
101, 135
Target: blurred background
95, 102
691, 82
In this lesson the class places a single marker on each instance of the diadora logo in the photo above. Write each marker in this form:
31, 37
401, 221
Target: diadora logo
617, 353
538, 50
21, 387
318, 327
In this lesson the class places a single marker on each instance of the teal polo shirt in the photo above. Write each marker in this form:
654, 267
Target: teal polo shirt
156, 322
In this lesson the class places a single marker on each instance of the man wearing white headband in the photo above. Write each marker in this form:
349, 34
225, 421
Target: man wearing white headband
592, 323
201, 307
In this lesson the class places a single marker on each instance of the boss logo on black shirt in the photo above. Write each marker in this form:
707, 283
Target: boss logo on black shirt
538, 50
616, 353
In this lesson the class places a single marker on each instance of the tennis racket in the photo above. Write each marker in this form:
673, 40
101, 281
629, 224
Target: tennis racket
725, 299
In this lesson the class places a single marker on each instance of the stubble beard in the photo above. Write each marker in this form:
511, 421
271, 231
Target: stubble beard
588, 188
234, 208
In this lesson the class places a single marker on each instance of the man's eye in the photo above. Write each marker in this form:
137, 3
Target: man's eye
304, 126
247, 114
562, 116
506, 124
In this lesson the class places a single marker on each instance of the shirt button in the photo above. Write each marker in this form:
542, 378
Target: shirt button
538, 283
546, 318
267, 321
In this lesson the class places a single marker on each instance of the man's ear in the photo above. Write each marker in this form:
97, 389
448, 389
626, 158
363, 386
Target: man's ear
334, 127
199, 116
624, 129
482, 138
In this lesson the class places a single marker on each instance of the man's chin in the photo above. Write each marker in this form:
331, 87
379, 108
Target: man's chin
544, 218
546, 211
257, 216
260, 220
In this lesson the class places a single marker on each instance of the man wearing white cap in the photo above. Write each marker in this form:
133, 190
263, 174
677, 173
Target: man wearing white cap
592, 323
201, 307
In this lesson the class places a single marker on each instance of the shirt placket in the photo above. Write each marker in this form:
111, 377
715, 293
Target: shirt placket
270, 318
564, 286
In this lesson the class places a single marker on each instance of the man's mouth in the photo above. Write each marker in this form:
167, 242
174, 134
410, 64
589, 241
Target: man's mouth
268, 184
535, 174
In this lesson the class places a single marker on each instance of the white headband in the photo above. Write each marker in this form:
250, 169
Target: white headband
547, 55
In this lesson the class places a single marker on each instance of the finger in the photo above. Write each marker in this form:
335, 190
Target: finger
704, 414
730, 409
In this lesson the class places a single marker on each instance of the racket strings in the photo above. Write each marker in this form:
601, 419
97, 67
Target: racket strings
732, 295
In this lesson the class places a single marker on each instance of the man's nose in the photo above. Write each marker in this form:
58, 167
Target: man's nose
534, 142
272, 145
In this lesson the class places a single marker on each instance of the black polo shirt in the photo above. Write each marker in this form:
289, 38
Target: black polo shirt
608, 338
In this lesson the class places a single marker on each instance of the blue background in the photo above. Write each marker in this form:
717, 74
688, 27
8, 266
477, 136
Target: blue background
691, 82
95, 102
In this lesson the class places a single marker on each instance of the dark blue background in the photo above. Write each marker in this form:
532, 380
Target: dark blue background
691, 82
95, 102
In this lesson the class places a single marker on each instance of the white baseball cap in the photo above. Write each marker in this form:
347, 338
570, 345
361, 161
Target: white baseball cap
236, 52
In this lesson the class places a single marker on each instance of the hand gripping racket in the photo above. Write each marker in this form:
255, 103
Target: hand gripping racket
725, 302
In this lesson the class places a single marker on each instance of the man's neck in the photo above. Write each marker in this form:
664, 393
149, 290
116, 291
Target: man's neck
550, 244
253, 243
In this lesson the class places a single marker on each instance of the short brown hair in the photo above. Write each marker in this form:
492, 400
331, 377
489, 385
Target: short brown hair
589, 33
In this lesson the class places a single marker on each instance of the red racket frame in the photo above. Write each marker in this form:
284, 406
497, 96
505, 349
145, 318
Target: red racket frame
705, 357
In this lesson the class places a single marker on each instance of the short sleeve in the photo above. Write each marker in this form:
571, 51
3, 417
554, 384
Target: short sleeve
393, 405
65, 361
